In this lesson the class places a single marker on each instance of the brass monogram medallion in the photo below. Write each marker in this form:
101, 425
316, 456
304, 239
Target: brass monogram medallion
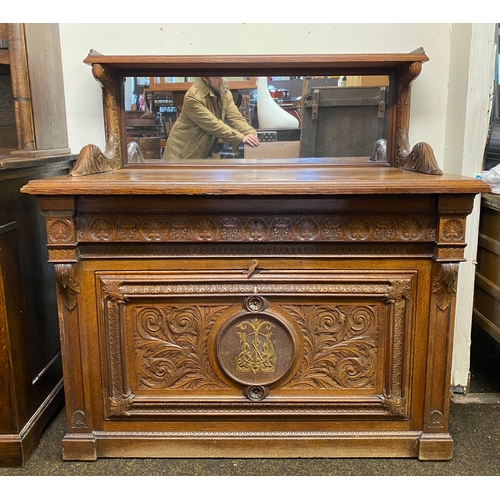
255, 349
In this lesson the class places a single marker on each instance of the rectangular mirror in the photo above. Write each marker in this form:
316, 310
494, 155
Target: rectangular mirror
296, 117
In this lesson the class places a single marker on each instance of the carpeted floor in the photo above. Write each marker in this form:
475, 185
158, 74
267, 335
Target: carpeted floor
474, 426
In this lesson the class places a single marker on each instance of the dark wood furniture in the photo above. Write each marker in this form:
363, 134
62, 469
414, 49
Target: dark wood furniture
487, 285
33, 145
272, 308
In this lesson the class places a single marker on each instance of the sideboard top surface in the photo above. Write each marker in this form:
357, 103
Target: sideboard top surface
271, 180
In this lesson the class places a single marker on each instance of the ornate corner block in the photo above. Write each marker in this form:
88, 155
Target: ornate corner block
121, 405
451, 230
68, 284
398, 290
444, 284
60, 231
114, 291
395, 406
91, 159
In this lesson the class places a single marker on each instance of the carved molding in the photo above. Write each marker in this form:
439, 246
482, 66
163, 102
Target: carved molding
68, 284
158, 250
91, 159
64, 255
257, 229
445, 284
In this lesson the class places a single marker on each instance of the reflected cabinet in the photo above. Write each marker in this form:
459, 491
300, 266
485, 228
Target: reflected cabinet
293, 307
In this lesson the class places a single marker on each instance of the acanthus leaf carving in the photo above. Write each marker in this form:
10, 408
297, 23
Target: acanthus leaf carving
171, 346
340, 346
68, 284
445, 284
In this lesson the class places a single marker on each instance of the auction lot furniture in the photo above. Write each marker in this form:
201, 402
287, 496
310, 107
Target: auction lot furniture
264, 308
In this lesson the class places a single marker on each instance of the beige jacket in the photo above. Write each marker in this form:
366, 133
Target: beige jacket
205, 119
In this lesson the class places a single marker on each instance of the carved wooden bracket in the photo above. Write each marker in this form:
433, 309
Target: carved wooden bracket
91, 159
445, 284
421, 158
68, 284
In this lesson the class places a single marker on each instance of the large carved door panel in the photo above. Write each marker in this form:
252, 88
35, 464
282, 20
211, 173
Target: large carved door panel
304, 342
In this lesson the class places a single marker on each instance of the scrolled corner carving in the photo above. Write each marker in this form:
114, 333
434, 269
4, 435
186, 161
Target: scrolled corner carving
445, 284
68, 284
91, 159
422, 159
121, 406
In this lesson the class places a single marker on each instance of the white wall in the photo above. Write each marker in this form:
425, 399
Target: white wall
441, 95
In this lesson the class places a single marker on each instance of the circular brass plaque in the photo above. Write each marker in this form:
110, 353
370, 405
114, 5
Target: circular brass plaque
255, 349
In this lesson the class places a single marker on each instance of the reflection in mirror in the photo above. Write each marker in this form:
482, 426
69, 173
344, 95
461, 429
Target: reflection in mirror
291, 117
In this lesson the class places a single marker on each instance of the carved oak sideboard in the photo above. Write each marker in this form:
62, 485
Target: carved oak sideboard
263, 309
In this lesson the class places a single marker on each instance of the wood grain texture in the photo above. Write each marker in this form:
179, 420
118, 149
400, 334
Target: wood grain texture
287, 308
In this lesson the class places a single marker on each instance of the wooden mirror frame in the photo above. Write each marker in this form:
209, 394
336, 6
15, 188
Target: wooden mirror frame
402, 69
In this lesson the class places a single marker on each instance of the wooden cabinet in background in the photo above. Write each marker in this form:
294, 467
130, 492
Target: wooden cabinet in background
33, 145
487, 286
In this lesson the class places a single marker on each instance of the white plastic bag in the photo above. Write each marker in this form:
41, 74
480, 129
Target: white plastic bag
492, 177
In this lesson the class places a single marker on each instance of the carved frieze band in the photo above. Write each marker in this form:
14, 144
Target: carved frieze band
445, 284
171, 343
257, 229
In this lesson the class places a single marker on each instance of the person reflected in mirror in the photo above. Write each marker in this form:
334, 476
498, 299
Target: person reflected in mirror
208, 115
